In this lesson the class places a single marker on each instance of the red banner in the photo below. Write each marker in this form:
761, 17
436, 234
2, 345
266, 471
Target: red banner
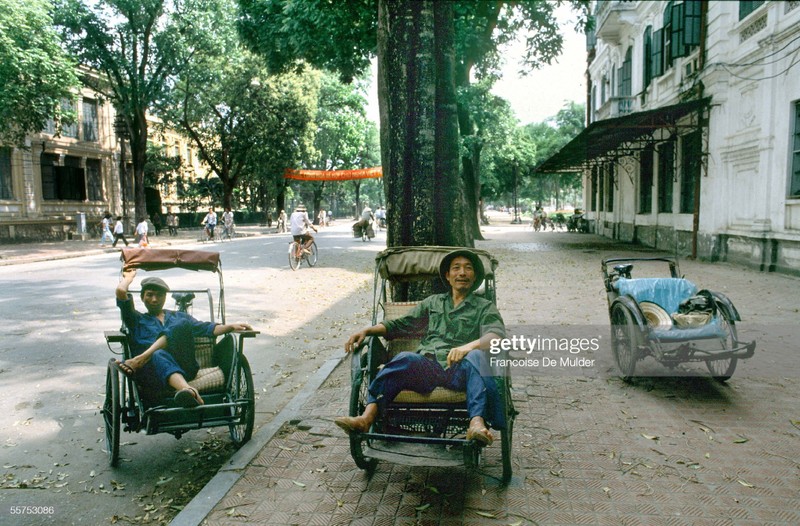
333, 175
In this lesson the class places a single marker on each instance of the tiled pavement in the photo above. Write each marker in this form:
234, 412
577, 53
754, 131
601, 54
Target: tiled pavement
587, 450
663, 451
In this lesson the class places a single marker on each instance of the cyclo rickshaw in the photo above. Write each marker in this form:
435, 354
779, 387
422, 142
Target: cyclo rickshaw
418, 429
669, 319
224, 381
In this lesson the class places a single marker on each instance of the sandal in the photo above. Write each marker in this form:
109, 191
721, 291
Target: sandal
125, 369
188, 397
480, 434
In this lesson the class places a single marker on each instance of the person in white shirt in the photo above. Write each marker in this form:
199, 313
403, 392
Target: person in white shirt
119, 232
141, 232
227, 223
105, 226
300, 224
210, 222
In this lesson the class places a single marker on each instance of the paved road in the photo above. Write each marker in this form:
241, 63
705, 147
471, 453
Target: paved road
52, 372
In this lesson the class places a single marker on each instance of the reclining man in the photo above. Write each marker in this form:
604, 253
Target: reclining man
458, 327
163, 341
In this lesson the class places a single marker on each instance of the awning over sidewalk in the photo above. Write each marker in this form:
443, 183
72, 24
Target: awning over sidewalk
612, 137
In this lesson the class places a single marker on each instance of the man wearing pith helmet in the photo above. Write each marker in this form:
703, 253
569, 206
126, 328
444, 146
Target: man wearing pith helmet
458, 327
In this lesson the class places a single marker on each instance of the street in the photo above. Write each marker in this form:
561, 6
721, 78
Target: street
587, 448
53, 362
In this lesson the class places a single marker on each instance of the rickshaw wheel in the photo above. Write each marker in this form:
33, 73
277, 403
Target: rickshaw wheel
112, 414
311, 259
625, 336
358, 397
241, 433
294, 261
507, 434
722, 370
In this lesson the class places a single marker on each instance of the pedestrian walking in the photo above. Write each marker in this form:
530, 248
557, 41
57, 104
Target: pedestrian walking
157, 222
105, 227
141, 233
172, 223
119, 233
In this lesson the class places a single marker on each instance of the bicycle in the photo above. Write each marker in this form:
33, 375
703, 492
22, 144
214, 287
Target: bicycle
297, 255
206, 234
226, 232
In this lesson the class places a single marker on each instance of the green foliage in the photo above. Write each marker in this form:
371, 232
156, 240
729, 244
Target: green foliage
35, 73
139, 46
549, 137
336, 36
161, 167
247, 124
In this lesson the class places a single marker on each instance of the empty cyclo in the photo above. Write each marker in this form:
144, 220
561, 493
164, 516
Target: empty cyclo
670, 319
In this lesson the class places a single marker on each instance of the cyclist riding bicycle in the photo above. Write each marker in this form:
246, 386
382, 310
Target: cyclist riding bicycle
299, 223
210, 221
227, 223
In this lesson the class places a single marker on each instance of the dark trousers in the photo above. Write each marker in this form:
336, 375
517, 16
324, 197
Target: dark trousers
178, 357
117, 237
417, 373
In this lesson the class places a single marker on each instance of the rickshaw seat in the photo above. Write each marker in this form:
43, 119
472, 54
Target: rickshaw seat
210, 378
668, 293
440, 395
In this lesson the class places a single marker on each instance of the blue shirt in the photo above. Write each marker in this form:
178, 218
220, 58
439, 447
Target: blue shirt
146, 328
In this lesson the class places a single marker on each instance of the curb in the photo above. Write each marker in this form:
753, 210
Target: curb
215, 490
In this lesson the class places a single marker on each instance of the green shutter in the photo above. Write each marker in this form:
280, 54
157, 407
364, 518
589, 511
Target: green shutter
676, 40
657, 61
691, 35
647, 55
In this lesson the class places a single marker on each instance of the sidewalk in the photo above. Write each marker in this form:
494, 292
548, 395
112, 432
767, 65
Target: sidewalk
588, 449
16, 253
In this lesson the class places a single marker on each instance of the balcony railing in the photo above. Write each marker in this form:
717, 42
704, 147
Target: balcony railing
616, 107
611, 15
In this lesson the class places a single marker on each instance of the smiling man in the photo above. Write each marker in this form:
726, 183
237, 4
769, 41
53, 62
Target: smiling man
458, 327
163, 341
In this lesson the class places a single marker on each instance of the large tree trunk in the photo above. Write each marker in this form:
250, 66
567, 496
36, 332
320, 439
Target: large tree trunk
419, 129
470, 162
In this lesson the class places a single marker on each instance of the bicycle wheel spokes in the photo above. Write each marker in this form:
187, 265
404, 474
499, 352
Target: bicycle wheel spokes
311, 259
294, 259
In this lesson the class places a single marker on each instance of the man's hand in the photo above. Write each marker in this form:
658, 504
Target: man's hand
457, 354
355, 340
234, 327
128, 273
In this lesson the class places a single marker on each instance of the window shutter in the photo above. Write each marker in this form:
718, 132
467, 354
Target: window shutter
676, 39
647, 56
657, 62
691, 35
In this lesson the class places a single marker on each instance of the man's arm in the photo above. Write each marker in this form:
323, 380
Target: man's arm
231, 327
124, 284
483, 343
356, 339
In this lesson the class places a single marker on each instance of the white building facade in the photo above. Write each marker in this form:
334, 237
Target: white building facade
693, 137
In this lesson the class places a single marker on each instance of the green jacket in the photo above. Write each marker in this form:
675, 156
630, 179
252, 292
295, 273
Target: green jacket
442, 327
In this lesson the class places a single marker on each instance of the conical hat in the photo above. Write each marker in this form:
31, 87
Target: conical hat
656, 316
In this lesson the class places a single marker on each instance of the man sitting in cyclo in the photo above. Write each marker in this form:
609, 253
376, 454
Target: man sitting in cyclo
458, 328
299, 224
163, 342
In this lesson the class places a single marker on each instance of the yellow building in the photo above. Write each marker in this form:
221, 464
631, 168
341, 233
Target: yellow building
65, 178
